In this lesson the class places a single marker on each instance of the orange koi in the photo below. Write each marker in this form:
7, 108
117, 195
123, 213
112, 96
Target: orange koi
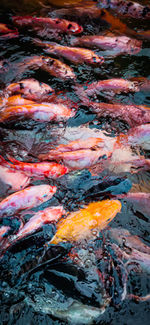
121, 44
4, 29
62, 25
38, 112
14, 101
14, 180
26, 199
73, 54
132, 114
82, 224
30, 88
44, 169
52, 66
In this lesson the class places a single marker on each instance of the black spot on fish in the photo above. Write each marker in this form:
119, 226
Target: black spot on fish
69, 26
21, 86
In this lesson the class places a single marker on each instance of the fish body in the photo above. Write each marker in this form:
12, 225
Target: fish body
122, 44
116, 85
80, 224
15, 180
73, 54
137, 136
31, 89
48, 215
132, 114
4, 29
45, 169
61, 25
38, 112
26, 199
73, 146
140, 201
127, 8
15, 101
78, 159
52, 66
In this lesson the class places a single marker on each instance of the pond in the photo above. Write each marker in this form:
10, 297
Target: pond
74, 163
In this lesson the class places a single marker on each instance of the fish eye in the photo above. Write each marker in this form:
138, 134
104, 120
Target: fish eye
94, 59
70, 26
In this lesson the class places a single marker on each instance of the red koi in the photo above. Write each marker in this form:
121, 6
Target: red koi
30, 88
26, 199
127, 8
121, 44
38, 112
73, 54
132, 114
62, 25
44, 169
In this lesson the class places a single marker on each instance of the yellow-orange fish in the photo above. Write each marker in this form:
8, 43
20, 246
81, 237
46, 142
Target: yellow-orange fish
81, 224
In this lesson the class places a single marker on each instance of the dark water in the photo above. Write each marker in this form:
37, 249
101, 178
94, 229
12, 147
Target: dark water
25, 296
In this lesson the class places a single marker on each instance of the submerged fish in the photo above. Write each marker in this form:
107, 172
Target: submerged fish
137, 136
48, 215
127, 8
82, 224
61, 25
39, 112
44, 169
73, 146
132, 114
26, 199
73, 54
140, 201
121, 44
52, 66
15, 180
7, 32
116, 86
30, 88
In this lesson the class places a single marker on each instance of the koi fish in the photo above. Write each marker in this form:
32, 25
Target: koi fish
138, 136
121, 44
7, 32
52, 66
46, 169
73, 146
73, 54
48, 215
142, 82
127, 8
116, 86
38, 112
14, 180
140, 200
26, 199
62, 25
81, 225
14, 101
78, 159
132, 114
30, 88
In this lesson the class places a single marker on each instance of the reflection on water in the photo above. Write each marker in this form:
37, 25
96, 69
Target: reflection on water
98, 279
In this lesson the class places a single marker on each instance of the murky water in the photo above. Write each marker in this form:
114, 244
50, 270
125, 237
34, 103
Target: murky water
64, 291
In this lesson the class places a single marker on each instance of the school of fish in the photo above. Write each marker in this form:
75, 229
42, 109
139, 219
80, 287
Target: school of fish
26, 100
